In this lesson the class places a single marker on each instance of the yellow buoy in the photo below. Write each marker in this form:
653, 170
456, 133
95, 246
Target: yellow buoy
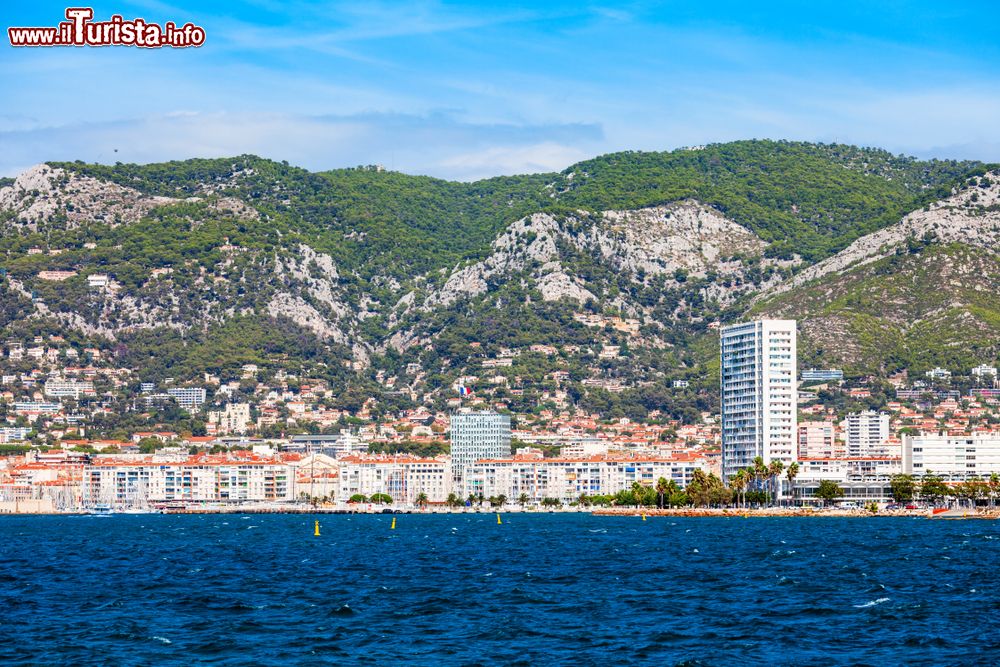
316, 532
643, 516
499, 522
393, 526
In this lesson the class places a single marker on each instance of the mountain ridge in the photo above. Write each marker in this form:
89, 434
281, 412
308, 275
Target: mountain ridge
383, 280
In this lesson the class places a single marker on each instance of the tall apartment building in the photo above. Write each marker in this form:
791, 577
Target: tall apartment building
758, 393
475, 436
818, 440
866, 434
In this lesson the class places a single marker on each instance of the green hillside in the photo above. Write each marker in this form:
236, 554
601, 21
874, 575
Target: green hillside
810, 199
806, 199
935, 306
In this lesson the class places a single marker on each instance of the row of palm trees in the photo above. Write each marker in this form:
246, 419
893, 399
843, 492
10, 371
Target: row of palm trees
760, 475
703, 489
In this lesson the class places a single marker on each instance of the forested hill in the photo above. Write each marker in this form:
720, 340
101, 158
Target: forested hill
602, 281
805, 199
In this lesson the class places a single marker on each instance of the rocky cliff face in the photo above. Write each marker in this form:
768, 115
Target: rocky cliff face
686, 237
921, 289
970, 216
669, 267
45, 194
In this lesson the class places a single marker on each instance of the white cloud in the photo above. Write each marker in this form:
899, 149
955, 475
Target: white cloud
545, 156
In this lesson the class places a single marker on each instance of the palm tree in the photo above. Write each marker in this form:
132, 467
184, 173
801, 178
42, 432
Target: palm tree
453, 500
994, 488
791, 474
501, 500
759, 472
661, 490
739, 483
422, 499
523, 499
471, 499
774, 472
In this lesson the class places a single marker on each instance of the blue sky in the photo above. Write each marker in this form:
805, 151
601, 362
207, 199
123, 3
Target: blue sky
469, 90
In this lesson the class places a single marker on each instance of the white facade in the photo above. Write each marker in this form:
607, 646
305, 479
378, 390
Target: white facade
128, 483
954, 458
566, 479
404, 479
188, 397
475, 436
758, 393
235, 418
842, 470
58, 388
867, 434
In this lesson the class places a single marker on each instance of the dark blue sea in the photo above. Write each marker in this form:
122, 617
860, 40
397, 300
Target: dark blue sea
462, 590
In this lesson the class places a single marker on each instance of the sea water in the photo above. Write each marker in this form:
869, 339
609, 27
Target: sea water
540, 589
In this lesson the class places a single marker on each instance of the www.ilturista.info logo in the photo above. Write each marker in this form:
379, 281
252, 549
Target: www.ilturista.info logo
81, 30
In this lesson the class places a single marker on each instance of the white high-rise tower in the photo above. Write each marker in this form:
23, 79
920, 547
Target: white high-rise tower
758, 393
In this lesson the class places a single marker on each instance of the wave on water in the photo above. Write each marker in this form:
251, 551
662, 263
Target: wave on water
871, 603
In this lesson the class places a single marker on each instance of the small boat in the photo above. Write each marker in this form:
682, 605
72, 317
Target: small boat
101, 510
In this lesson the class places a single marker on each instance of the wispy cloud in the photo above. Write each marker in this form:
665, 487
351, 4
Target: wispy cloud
437, 144
467, 89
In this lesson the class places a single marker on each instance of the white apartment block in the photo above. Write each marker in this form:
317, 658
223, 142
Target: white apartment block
59, 388
475, 436
402, 478
234, 418
818, 440
843, 470
13, 433
188, 397
758, 393
134, 483
953, 457
567, 478
867, 434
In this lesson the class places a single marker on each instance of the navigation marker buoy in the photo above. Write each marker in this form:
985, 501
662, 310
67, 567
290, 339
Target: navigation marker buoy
499, 522
316, 532
393, 526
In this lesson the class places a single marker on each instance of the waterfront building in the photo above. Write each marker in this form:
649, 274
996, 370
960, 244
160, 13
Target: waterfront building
867, 434
404, 478
475, 436
758, 366
202, 478
566, 479
953, 457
